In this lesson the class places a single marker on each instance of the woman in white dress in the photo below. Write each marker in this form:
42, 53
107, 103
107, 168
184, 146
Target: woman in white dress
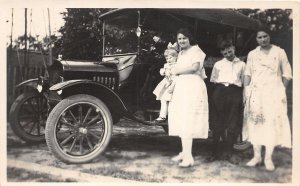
266, 123
188, 109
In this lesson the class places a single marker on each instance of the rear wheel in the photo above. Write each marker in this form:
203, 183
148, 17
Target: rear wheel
78, 129
240, 146
27, 116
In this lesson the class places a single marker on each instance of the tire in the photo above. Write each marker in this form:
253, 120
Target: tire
241, 146
79, 129
28, 115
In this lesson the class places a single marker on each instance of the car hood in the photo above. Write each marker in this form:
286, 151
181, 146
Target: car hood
88, 66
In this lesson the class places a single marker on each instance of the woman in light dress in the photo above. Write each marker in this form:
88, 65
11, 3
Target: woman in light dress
266, 123
188, 109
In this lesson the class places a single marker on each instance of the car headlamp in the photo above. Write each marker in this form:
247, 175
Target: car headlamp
59, 92
40, 85
39, 88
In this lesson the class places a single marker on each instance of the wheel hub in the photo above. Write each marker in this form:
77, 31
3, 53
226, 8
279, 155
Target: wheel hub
82, 130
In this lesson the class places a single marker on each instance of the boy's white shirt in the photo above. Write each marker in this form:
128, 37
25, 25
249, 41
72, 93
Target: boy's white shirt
228, 72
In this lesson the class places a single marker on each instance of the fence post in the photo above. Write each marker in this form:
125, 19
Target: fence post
14, 79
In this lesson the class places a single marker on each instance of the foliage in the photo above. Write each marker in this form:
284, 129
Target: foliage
81, 34
33, 44
278, 20
120, 39
19, 43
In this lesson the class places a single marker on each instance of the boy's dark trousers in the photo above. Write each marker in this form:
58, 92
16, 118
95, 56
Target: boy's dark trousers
222, 149
226, 110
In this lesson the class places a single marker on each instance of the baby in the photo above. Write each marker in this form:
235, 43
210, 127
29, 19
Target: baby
164, 89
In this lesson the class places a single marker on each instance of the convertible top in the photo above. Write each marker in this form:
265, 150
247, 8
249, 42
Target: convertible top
220, 16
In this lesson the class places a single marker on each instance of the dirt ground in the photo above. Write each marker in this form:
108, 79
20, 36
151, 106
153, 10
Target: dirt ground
143, 153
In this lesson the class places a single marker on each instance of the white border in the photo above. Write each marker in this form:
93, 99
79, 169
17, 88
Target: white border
295, 5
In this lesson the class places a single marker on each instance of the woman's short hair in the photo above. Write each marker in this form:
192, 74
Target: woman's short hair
187, 33
171, 52
264, 28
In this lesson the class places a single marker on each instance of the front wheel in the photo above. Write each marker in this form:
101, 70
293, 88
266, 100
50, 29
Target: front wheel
78, 129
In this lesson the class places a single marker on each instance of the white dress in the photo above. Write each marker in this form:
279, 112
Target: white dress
265, 115
188, 109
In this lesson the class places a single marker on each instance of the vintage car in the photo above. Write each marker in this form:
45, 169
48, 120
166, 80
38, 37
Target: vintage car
93, 95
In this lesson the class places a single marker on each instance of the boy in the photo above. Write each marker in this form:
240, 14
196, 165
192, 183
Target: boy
226, 102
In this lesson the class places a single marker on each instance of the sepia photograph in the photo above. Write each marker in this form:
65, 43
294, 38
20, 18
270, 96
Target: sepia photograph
141, 93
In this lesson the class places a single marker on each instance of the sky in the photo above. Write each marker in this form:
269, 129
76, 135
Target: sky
37, 22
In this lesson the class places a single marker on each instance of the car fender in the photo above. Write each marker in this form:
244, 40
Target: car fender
69, 83
84, 86
30, 83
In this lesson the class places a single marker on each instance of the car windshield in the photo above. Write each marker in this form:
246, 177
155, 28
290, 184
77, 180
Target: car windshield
120, 35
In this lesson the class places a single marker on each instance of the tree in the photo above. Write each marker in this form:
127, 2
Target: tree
81, 34
19, 43
50, 42
278, 20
